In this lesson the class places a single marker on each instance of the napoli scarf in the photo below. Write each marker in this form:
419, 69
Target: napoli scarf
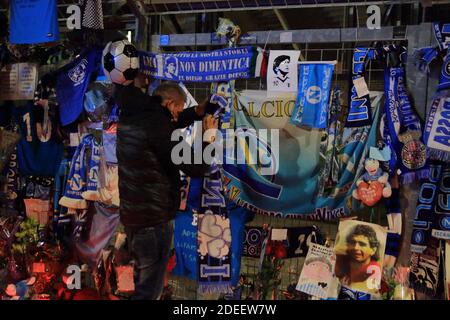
424, 218
12, 183
329, 175
403, 129
311, 106
437, 130
214, 236
441, 221
214, 227
76, 182
360, 113
91, 192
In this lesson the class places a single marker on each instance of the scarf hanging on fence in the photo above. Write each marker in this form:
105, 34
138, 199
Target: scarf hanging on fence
214, 236
311, 106
360, 113
422, 224
437, 129
329, 175
92, 185
76, 182
441, 221
12, 183
403, 129
212, 66
214, 229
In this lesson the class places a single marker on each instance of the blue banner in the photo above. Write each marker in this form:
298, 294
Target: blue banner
211, 66
311, 107
291, 190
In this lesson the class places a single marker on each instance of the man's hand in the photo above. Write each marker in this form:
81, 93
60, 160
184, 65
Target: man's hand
200, 110
210, 125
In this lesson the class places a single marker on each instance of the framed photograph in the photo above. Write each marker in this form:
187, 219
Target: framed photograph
359, 250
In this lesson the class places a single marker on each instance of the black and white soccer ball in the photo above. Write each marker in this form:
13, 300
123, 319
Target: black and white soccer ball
120, 62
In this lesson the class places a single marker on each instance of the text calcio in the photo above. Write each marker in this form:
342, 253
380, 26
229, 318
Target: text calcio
269, 109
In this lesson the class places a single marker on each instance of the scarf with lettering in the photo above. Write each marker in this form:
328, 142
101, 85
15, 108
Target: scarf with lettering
360, 113
214, 231
441, 222
92, 184
329, 176
76, 181
425, 215
402, 132
437, 129
424, 270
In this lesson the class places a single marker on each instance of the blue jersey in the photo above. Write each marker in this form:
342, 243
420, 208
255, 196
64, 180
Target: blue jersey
33, 21
39, 150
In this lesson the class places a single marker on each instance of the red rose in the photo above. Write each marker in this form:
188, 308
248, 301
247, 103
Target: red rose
384, 287
269, 249
280, 252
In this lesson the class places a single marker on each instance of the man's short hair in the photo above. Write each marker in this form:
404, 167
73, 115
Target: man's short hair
170, 90
278, 60
370, 234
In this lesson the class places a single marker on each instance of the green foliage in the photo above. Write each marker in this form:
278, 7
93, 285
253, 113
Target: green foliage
269, 277
26, 236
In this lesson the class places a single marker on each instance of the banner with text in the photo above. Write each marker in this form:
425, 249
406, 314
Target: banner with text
292, 190
209, 66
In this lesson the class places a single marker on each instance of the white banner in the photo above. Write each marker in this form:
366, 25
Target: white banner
18, 81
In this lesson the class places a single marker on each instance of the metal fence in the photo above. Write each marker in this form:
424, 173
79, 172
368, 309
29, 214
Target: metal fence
187, 289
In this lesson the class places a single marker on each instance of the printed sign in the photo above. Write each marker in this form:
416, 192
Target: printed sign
318, 271
18, 81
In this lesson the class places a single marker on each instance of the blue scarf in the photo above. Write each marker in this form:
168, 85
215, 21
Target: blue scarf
91, 192
437, 129
441, 221
425, 215
214, 236
311, 107
402, 129
76, 182
186, 235
329, 175
360, 113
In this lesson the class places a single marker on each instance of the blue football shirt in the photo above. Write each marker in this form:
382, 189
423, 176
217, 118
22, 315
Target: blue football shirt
37, 155
33, 21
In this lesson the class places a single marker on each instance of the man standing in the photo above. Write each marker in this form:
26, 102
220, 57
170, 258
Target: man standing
149, 181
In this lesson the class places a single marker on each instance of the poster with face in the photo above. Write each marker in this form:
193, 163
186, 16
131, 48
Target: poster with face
359, 253
282, 71
317, 274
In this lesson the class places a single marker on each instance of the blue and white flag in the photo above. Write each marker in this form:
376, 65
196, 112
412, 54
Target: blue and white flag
210, 66
72, 83
311, 107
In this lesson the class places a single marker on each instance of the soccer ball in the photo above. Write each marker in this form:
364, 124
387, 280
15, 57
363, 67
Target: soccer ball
120, 62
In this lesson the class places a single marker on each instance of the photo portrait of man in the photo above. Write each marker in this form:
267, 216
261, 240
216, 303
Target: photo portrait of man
359, 254
170, 68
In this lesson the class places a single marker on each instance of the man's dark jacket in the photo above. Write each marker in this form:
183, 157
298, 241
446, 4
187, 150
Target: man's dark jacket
149, 182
